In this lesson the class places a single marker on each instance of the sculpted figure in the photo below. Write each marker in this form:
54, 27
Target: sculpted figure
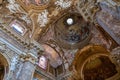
43, 18
13, 7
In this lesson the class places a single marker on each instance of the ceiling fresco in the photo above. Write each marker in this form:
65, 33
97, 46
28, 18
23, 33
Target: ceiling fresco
73, 34
99, 69
55, 22
67, 33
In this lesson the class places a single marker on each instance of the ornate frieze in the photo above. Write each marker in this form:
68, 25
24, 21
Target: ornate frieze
28, 57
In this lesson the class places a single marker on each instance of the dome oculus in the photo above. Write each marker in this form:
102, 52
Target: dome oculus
69, 21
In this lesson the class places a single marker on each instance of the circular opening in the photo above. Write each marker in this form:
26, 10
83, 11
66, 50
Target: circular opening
69, 21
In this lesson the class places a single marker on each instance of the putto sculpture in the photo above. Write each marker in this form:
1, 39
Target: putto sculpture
13, 6
43, 18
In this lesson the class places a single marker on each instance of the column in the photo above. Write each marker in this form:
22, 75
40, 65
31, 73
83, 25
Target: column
28, 68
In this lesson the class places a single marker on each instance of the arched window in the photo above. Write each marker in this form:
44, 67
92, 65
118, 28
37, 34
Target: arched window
43, 62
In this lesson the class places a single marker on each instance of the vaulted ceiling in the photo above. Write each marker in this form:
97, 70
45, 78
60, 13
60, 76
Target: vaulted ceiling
59, 28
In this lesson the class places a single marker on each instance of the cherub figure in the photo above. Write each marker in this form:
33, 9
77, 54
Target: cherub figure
43, 18
13, 7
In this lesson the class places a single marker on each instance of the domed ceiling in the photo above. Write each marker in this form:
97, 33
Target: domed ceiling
59, 28
72, 31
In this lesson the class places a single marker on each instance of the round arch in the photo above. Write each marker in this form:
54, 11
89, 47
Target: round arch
4, 66
86, 54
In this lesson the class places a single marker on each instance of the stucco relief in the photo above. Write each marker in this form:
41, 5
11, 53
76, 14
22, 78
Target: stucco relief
13, 6
43, 18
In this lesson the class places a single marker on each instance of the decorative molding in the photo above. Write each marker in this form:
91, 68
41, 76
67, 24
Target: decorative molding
29, 57
10, 46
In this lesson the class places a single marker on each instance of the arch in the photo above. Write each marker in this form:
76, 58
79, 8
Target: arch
108, 61
84, 55
5, 63
53, 55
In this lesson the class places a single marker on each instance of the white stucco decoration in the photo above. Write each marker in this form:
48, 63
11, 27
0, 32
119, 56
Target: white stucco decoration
63, 3
43, 18
26, 19
13, 7
14, 61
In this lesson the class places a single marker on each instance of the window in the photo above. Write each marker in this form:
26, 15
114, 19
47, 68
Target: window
43, 62
18, 27
69, 21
